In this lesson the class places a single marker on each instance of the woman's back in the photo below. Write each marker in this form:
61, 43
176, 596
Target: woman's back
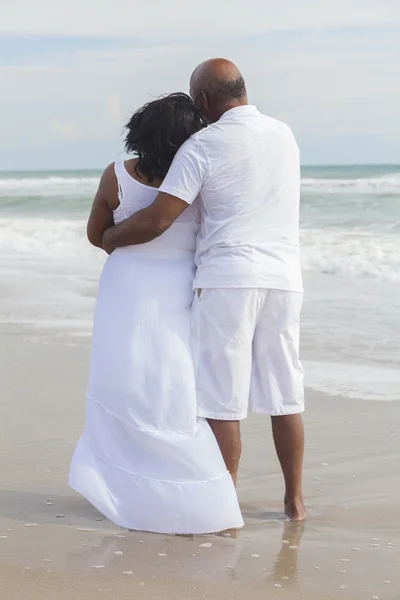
148, 288
178, 242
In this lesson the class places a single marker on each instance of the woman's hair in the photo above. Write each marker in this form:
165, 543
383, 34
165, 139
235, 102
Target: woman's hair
157, 131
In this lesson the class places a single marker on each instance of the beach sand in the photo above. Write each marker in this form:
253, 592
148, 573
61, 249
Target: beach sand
54, 545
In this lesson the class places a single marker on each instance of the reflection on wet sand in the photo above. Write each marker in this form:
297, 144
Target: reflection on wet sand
148, 556
211, 558
286, 565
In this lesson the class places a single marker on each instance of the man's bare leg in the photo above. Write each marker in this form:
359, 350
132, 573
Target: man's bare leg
228, 437
288, 432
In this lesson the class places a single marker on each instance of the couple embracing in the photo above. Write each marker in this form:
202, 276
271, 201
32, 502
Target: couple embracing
198, 310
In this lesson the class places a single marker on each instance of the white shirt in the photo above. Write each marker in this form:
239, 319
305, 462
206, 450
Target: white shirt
246, 170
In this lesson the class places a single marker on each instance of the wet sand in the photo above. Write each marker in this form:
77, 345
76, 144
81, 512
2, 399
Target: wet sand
54, 545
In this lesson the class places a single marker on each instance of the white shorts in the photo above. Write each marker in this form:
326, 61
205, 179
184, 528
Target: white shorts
245, 345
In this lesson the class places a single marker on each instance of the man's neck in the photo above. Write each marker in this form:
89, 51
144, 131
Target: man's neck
233, 104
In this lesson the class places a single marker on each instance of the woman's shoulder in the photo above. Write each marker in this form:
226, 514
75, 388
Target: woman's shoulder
110, 174
109, 186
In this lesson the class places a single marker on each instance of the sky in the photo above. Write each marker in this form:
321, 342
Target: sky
71, 74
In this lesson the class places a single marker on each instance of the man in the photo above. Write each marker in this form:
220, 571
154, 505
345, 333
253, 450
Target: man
245, 169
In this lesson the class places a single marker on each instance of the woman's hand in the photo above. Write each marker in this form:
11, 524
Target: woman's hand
107, 241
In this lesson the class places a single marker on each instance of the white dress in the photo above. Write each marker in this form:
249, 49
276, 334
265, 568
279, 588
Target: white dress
144, 460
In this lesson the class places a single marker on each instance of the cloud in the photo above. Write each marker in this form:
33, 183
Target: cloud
41, 49
66, 129
102, 126
184, 19
114, 111
337, 87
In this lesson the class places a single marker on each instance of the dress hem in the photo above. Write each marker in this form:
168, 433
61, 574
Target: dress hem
148, 504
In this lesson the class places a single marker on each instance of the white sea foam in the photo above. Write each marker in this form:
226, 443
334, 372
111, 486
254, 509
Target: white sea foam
353, 381
384, 184
53, 239
336, 252
48, 186
80, 185
354, 253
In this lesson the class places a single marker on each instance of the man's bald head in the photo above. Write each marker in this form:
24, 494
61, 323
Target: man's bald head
217, 86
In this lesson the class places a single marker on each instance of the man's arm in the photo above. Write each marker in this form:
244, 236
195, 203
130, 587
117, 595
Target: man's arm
145, 225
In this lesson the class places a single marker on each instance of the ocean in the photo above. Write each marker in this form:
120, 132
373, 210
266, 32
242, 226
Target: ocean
350, 226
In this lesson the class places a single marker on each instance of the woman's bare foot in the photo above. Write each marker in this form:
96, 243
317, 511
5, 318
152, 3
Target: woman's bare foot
295, 509
232, 533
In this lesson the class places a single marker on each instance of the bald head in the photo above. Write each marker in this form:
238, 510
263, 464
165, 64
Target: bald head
217, 86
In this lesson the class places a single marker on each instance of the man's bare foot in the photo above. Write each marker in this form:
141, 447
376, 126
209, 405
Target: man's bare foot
295, 509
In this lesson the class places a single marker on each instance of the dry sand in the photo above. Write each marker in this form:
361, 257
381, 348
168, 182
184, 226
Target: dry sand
53, 545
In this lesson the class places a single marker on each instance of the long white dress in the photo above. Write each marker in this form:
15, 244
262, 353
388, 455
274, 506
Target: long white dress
144, 460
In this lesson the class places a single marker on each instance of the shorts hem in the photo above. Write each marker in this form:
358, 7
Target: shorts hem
204, 286
221, 416
279, 413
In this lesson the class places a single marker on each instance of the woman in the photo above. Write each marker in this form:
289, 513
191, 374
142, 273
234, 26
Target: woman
144, 460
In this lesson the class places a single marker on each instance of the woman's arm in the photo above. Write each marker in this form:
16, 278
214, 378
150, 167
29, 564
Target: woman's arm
105, 201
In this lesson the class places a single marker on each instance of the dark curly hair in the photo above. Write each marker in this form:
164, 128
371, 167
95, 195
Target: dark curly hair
157, 131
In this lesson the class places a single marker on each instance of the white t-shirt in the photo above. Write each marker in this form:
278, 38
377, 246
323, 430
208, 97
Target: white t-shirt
246, 171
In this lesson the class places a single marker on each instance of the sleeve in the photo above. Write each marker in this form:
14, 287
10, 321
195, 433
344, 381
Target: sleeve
187, 173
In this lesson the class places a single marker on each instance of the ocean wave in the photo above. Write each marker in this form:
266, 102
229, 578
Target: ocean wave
54, 239
66, 186
383, 184
354, 253
85, 185
353, 381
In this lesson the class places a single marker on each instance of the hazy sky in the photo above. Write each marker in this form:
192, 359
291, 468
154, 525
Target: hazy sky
72, 73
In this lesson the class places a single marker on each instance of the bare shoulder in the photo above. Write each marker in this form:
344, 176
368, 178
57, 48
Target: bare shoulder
108, 187
109, 174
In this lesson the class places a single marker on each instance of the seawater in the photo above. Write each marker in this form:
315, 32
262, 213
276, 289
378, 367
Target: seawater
350, 226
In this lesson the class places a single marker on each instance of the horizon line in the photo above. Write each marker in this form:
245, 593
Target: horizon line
306, 165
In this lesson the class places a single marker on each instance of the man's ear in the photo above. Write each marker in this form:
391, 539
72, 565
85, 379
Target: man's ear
201, 102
